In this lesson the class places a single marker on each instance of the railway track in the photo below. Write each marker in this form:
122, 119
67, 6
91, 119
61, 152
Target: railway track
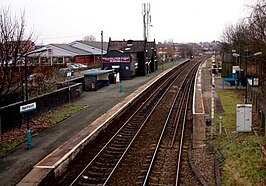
150, 146
166, 163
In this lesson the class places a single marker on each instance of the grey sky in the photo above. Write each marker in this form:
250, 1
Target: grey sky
62, 21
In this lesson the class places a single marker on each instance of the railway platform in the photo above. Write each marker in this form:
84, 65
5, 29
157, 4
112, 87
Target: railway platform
50, 147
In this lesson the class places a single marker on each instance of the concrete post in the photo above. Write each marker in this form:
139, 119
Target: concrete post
220, 125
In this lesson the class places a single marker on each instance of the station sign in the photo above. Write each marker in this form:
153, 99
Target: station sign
235, 68
116, 59
115, 66
28, 107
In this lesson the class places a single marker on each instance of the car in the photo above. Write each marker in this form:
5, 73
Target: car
81, 66
74, 67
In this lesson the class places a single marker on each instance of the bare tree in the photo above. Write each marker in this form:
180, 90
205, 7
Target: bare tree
249, 37
13, 46
89, 38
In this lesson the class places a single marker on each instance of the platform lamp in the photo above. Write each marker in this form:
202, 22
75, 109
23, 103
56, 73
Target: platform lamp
246, 64
28, 132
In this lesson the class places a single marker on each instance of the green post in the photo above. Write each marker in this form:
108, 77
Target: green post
120, 87
29, 144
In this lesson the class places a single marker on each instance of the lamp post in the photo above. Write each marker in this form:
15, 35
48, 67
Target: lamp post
238, 83
28, 132
246, 64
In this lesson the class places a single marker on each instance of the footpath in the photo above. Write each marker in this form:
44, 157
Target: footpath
15, 164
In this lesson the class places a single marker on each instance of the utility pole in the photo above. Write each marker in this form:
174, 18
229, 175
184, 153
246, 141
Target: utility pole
101, 49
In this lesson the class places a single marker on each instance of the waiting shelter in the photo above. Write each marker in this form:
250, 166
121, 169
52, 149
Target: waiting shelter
96, 79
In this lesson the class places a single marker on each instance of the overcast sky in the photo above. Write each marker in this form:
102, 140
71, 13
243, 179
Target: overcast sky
63, 21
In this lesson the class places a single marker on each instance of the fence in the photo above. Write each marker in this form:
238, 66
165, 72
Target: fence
10, 116
259, 104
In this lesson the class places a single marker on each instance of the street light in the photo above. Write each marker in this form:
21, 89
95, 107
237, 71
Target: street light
238, 55
28, 133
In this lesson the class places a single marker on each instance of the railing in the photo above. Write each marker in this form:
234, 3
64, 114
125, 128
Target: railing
10, 116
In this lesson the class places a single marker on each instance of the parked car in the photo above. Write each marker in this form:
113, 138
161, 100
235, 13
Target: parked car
74, 67
77, 66
82, 66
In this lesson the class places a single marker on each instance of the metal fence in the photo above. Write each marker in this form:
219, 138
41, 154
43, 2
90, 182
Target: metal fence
10, 116
258, 102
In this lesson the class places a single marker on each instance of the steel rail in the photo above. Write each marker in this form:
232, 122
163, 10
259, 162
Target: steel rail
129, 119
165, 125
178, 117
182, 133
110, 175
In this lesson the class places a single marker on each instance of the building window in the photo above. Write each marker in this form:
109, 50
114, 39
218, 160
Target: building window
67, 59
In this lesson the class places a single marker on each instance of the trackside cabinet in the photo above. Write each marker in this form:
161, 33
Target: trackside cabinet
243, 117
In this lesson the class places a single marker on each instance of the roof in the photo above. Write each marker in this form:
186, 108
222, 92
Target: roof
130, 45
116, 53
71, 49
96, 44
95, 73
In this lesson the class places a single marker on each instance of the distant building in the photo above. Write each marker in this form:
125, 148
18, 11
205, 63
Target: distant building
86, 52
91, 46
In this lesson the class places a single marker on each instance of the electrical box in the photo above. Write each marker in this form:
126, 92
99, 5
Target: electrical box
243, 117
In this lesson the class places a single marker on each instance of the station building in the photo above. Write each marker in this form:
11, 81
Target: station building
131, 58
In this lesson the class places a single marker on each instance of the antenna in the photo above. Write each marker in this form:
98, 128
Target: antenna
146, 8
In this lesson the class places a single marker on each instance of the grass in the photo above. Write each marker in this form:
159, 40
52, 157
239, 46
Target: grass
229, 99
7, 146
15, 136
243, 162
64, 112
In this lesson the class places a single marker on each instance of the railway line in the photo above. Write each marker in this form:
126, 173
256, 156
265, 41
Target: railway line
148, 143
